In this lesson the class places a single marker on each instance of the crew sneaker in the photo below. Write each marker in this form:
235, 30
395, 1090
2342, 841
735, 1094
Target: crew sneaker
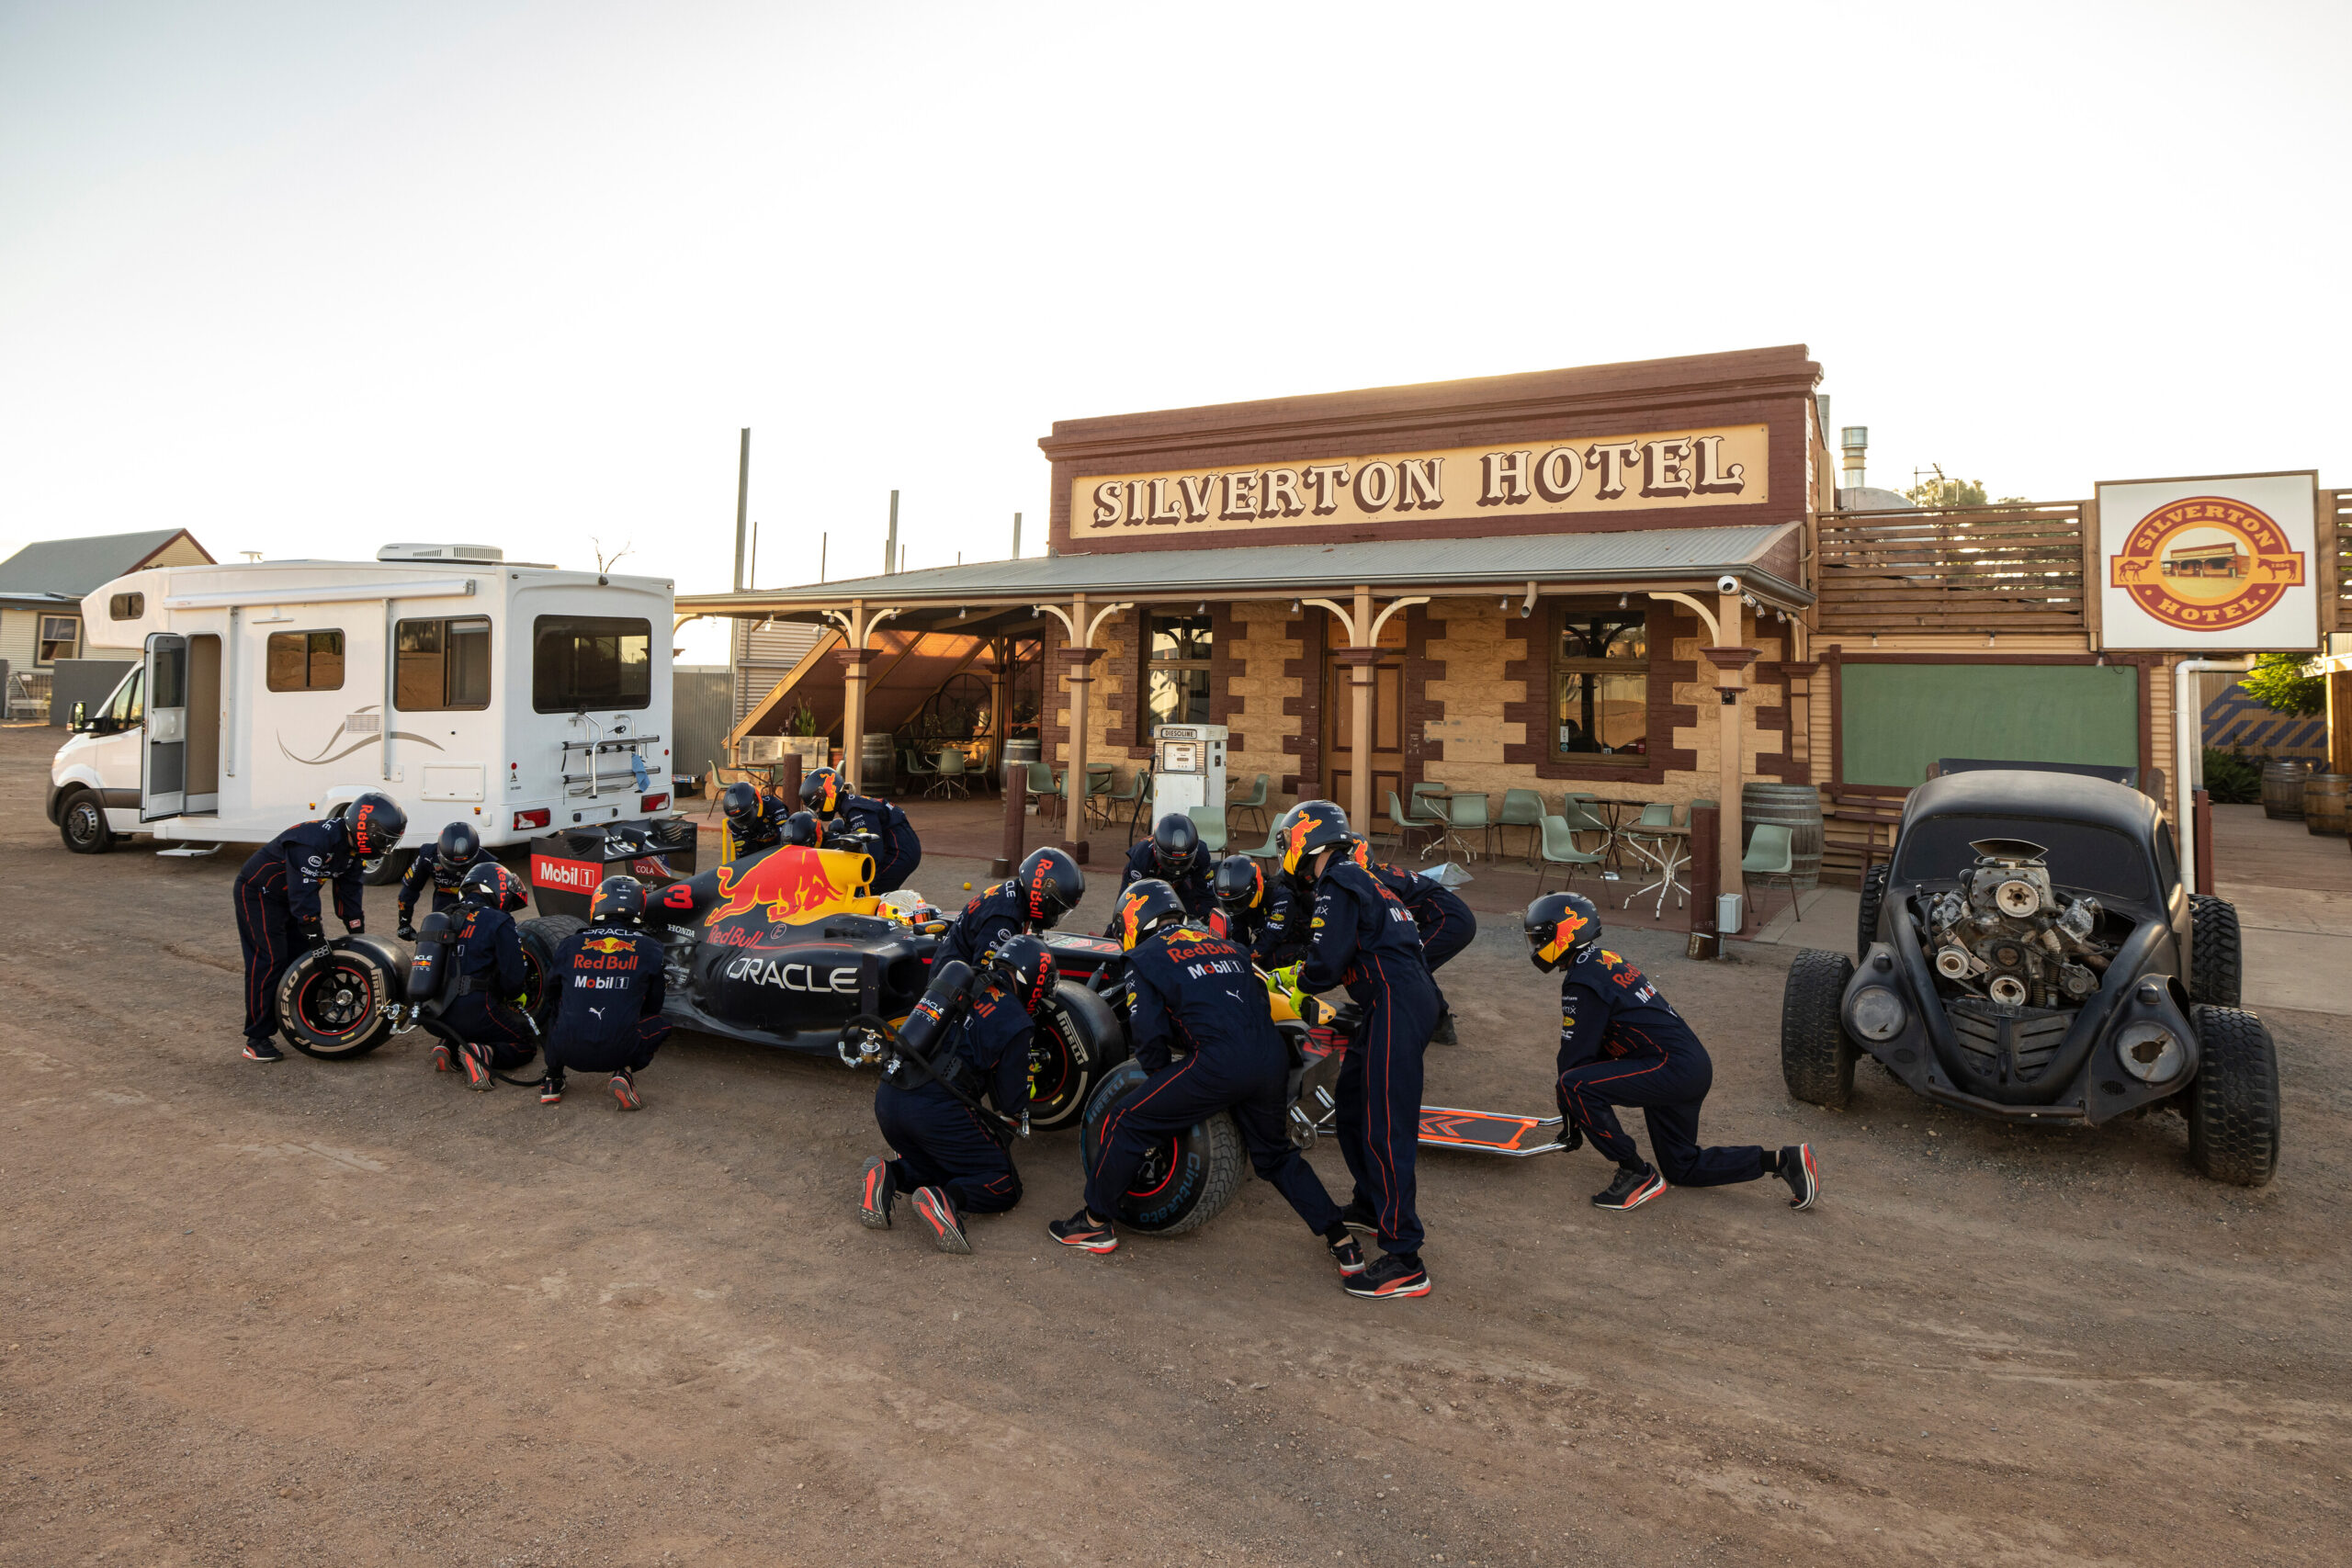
1443, 1033
1082, 1230
1796, 1168
875, 1194
1360, 1215
1346, 1253
624, 1088
552, 1089
1631, 1189
442, 1062
262, 1051
476, 1060
1394, 1278
939, 1214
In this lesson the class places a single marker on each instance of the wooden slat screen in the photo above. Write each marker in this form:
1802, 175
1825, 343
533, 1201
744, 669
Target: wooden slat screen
1999, 568
2342, 552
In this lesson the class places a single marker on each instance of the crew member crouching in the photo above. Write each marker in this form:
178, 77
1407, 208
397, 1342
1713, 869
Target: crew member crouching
279, 917
608, 983
1623, 1044
1175, 855
955, 1090
897, 848
1445, 922
754, 818
441, 865
1257, 912
1047, 885
484, 1028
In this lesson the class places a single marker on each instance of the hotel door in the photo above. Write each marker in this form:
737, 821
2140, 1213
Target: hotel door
1387, 723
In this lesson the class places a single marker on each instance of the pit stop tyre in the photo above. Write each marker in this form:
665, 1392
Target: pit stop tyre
82, 824
540, 938
1866, 918
2216, 960
2233, 1102
1818, 1057
1186, 1177
1077, 1040
331, 1001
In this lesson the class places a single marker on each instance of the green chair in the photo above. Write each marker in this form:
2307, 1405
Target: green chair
1254, 801
1556, 845
1467, 813
1582, 818
949, 776
1522, 808
1135, 794
1269, 850
1420, 817
1407, 825
1210, 820
1043, 789
1772, 854
1100, 777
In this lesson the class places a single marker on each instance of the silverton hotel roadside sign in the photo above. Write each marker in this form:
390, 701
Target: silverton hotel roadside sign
2220, 562
1661, 469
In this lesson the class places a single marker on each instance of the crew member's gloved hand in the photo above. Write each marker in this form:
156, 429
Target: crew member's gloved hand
405, 932
312, 932
1284, 983
355, 927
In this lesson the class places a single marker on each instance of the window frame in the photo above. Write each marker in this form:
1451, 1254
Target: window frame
1563, 665
539, 630
42, 658
1146, 665
310, 656
126, 606
489, 665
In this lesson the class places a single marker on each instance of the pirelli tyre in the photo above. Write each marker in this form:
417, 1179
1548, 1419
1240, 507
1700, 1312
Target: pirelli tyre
1816, 1054
1077, 1040
331, 1001
1186, 1179
540, 938
2234, 1100
2216, 959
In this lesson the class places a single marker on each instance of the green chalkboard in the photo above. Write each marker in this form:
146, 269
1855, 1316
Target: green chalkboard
1895, 719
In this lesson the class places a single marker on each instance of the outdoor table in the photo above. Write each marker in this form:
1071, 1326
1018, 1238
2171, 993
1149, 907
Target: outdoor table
1446, 811
1667, 860
1613, 846
1100, 779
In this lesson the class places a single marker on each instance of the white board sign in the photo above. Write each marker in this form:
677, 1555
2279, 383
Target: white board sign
2226, 561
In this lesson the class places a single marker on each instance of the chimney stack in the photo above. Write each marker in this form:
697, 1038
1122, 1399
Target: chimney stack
1856, 440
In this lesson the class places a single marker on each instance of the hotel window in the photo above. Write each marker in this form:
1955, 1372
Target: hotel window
60, 637
305, 662
1600, 687
441, 665
1175, 674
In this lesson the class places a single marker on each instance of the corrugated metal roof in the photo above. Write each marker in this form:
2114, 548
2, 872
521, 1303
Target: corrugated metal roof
75, 566
1693, 553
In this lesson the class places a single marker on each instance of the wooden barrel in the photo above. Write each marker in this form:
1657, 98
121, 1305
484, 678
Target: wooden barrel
1796, 807
2327, 804
2282, 787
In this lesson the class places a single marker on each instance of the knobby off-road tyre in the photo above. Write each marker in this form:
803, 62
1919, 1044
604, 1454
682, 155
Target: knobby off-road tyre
540, 938
82, 824
1866, 919
2233, 1103
1817, 1057
1077, 1040
330, 1001
2216, 958
1186, 1178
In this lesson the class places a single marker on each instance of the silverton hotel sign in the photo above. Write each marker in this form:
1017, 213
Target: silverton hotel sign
1620, 473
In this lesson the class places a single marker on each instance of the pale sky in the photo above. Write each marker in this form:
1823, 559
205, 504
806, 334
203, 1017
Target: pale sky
307, 277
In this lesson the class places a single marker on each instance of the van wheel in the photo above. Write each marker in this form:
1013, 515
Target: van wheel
1186, 1178
331, 1002
540, 938
386, 868
2234, 1100
84, 825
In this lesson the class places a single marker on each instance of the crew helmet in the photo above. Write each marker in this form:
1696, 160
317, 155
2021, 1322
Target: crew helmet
1144, 908
492, 887
1560, 926
619, 900
1173, 839
375, 823
803, 828
457, 843
1312, 826
822, 791
739, 802
1022, 965
1240, 886
1052, 884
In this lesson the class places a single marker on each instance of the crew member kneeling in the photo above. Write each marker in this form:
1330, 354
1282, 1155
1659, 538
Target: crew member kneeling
484, 1028
1186, 982
897, 848
278, 913
1623, 1044
608, 987
1047, 885
950, 1102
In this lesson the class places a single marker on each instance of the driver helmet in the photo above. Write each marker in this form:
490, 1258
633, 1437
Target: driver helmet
492, 887
803, 828
374, 823
739, 802
1240, 886
1173, 839
1559, 927
457, 843
1312, 826
1051, 885
619, 900
1145, 908
1022, 966
822, 791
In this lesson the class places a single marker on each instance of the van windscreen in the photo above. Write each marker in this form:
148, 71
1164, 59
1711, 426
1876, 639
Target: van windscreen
591, 661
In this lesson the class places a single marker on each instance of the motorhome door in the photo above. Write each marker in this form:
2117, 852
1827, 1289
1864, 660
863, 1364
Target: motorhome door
163, 760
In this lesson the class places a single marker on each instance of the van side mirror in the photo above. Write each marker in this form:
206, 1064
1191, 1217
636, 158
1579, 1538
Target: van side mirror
78, 721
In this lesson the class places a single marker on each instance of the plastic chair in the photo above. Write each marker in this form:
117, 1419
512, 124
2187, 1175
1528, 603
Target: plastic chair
1254, 801
1043, 789
1772, 854
1467, 813
1210, 820
1522, 808
951, 770
1100, 777
1407, 825
910, 762
1420, 817
1269, 850
1556, 843
1134, 794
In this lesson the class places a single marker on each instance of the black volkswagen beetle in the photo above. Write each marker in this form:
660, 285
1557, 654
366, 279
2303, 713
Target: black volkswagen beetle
2029, 953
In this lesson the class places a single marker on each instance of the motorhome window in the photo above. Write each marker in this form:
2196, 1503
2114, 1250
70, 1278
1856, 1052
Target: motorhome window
126, 606
591, 661
441, 665
306, 661
60, 637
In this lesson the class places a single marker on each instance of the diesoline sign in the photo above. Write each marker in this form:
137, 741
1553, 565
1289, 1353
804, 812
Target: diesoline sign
2220, 563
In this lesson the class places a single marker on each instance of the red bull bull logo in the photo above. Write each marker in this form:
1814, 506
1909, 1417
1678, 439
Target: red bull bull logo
607, 944
789, 883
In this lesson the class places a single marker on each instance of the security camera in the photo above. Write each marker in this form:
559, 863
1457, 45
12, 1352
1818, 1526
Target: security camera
1726, 584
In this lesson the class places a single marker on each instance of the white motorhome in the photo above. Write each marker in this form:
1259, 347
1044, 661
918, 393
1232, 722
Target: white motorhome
516, 696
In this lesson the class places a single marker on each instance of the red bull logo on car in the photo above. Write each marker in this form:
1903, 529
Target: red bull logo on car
790, 883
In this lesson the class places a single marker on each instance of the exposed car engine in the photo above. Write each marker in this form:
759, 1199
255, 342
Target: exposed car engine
2003, 934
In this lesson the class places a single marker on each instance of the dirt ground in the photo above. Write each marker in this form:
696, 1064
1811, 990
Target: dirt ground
350, 1313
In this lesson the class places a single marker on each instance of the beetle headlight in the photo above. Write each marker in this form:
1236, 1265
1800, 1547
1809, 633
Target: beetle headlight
2150, 1051
1876, 1013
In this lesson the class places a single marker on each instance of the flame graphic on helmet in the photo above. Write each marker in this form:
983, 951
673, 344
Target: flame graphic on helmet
1564, 936
1294, 842
1130, 913
1257, 886
831, 800
1360, 852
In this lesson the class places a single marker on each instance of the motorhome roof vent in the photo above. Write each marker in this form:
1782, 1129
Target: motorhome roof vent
480, 554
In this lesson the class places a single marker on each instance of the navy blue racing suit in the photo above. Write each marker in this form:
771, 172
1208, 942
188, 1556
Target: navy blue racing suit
1274, 933
278, 913
942, 1141
1363, 939
487, 955
1191, 879
1190, 989
608, 985
993, 914
899, 852
446, 877
1445, 922
1623, 1044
